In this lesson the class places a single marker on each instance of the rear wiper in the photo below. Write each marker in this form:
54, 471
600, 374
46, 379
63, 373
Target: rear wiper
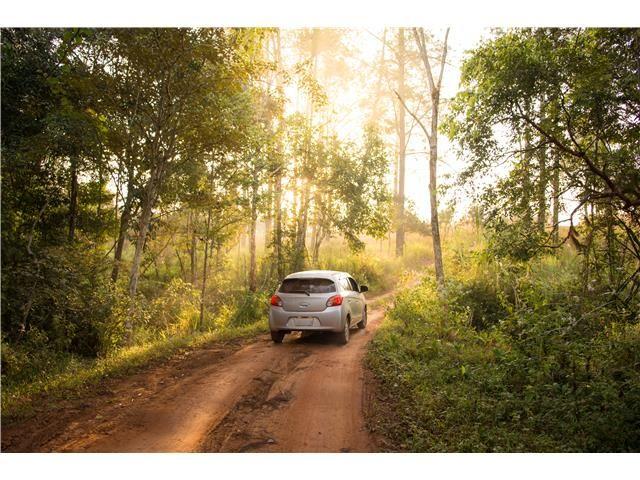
302, 291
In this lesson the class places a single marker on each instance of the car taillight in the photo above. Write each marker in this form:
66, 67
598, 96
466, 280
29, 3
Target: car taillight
334, 301
276, 301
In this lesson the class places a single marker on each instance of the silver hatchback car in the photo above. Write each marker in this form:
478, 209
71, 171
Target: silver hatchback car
318, 300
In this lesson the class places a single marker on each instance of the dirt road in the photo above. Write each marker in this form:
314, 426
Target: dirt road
305, 395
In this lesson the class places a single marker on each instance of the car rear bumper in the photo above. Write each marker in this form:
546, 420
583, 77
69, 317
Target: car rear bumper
329, 320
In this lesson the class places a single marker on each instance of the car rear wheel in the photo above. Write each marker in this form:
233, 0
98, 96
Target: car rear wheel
276, 336
344, 335
363, 323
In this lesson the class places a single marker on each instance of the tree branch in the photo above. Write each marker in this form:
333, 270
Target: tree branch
444, 58
418, 34
628, 203
424, 129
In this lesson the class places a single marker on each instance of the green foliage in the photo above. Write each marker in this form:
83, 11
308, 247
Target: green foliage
65, 376
62, 299
247, 307
379, 275
372, 266
551, 102
509, 359
478, 299
349, 197
364, 202
174, 311
48, 132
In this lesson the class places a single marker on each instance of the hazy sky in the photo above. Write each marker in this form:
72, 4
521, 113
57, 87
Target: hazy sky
347, 97
417, 176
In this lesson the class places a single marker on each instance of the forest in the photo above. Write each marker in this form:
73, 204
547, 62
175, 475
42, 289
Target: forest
158, 184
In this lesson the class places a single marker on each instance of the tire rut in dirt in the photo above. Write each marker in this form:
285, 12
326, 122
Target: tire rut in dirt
244, 429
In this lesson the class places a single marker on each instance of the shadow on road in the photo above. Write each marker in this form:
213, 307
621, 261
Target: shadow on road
319, 338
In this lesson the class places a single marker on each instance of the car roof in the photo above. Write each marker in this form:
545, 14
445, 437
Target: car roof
330, 274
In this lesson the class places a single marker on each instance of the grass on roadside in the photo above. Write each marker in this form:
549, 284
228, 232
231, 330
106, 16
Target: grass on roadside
507, 362
18, 400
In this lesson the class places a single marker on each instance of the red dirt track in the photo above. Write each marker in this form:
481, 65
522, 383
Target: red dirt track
304, 395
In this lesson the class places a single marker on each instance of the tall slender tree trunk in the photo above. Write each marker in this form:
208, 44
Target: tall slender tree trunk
435, 85
555, 209
252, 238
525, 200
101, 183
277, 185
433, 191
182, 272
143, 230
318, 238
148, 203
314, 241
542, 182
268, 221
125, 218
194, 247
303, 211
277, 226
301, 237
207, 249
402, 142
205, 270
542, 190
73, 200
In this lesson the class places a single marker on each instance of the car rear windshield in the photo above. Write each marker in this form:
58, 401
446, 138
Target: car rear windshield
307, 285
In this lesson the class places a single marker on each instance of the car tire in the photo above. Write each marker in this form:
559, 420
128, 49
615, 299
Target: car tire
344, 335
277, 336
363, 323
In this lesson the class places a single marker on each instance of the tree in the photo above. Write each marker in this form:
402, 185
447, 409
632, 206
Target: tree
402, 144
586, 83
279, 167
53, 191
347, 177
176, 106
260, 161
365, 202
434, 85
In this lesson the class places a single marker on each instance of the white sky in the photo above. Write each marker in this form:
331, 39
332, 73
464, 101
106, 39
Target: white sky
417, 176
351, 117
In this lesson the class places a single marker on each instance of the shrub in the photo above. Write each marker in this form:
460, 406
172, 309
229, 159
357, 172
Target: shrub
478, 299
379, 275
63, 296
245, 308
176, 310
550, 369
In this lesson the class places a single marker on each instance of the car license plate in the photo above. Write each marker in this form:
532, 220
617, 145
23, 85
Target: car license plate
304, 321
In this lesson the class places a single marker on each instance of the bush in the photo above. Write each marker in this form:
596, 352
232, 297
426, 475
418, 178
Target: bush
32, 359
478, 299
379, 275
550, 369
417, 253
63, 297
244, 308
176, 310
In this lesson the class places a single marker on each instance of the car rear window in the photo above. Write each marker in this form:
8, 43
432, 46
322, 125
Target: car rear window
311, 285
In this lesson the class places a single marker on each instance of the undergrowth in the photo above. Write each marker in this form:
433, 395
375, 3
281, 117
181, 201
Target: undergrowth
508, 358
73, 375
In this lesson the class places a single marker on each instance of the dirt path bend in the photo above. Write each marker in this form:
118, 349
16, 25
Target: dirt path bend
305, 395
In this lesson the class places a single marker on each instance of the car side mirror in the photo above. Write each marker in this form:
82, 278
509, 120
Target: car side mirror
364, 288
